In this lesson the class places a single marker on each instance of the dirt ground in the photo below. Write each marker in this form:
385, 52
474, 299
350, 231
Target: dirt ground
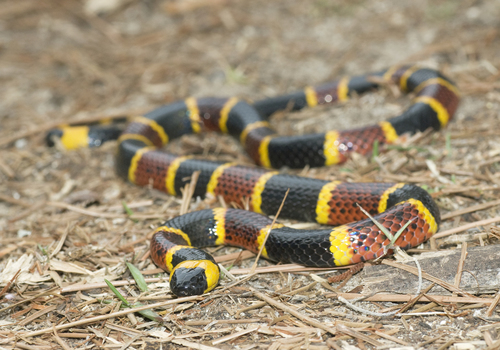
62, 218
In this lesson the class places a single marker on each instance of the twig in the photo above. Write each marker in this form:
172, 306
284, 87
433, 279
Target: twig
100, 214
432, 340
412, 302
425, 275
235, 335
59, 340
7, 286
493, 304
391, 338
37, 314
466, 227
242, 255
28, 211
105, 317
462, 189
133, 339
231, 285
79, 287
446, 345
193, 345
391, 245
293, 292
188, 192
399, 298
49, 291
461, 263
471, 209
10, 199
295, 313
6, 169
60, 244
254, 266
239, 321
356, 334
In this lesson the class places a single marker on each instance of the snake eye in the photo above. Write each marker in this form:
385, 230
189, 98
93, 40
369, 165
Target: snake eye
194, 277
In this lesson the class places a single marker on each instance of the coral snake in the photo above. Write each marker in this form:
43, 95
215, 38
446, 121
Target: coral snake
193, 271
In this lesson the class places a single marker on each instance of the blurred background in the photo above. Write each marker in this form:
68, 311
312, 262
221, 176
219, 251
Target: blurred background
62, 58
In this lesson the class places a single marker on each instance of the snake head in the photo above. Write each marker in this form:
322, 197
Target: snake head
194, 277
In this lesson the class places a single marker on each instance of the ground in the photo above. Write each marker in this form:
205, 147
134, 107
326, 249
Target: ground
62, 218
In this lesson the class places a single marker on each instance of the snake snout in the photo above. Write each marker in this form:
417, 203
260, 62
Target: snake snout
194, 278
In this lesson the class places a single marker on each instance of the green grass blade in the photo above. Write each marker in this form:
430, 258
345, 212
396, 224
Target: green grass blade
400, 231
375, 152
150, 314
448, 144
128, 211
378, 224
386, 232
138, 277
117, 293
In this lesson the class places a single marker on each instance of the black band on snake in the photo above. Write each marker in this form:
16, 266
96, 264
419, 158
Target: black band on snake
333, 203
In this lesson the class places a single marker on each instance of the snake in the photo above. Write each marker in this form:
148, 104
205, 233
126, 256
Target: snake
350, 238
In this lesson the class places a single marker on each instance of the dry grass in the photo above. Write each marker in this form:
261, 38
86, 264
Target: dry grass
63, 228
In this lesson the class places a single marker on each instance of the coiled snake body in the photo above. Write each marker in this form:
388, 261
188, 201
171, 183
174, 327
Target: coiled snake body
333, 203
